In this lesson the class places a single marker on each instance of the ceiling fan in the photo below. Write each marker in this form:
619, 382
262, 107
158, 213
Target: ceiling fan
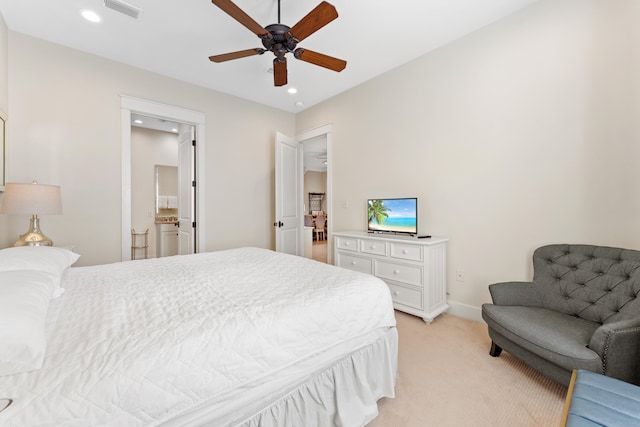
282, 39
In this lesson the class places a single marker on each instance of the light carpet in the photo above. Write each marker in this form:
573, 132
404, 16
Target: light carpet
447, 378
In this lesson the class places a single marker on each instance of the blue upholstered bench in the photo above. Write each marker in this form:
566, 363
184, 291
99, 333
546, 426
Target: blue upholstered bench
597, 400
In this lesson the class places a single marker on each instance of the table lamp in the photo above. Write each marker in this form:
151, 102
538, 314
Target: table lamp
32, 199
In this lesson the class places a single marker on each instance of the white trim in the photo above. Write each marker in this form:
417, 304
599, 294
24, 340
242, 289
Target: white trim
465, 311
325, 130
130, 104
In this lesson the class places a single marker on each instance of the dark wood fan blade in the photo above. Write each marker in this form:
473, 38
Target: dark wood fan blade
239, 15
236, 55
279, 72
320, 59
316, 19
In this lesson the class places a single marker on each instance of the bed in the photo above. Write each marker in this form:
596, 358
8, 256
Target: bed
241, 337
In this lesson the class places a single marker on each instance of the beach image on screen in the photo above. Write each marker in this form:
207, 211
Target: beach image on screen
398, 215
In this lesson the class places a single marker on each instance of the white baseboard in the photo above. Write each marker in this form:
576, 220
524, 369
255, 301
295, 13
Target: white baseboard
466, 311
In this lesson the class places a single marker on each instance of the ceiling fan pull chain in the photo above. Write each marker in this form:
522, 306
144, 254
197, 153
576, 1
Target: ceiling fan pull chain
278, 11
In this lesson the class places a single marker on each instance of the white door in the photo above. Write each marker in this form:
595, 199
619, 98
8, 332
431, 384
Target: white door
288, 221
186, 190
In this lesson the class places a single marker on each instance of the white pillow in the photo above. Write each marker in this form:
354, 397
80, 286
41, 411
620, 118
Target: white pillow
40, 258
24, 301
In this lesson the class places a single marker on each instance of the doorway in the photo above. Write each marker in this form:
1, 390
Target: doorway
317, 158
158, 200
194, 120
314, 154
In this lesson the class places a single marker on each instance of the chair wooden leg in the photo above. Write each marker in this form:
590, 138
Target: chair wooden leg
495, 349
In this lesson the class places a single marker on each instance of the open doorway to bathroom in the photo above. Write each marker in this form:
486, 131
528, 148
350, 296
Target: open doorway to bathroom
156, 194
191, 179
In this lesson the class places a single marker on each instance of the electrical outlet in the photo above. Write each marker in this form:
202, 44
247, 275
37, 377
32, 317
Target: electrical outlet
460, 275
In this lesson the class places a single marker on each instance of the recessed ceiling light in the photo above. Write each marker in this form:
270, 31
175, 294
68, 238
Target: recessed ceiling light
138, 121
90, 15
174, 130
292, 90
299, 104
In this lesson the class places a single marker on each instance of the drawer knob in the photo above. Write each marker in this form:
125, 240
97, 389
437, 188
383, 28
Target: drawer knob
373, 246
346, 243
404, 251
353, 263
396, 293
396, 271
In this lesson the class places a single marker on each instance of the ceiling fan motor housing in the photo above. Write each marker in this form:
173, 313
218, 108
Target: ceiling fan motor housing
281, 41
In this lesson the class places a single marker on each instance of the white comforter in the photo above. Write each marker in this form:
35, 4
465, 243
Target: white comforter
141, 342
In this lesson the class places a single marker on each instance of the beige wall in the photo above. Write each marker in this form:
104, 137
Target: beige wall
315, 182
65, 113
521, 134
4, 67
4, 105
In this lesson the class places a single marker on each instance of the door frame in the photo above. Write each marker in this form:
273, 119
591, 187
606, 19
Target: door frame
301, 137
128, 105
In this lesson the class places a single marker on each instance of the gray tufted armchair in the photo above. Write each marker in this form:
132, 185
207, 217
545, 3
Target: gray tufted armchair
582, 311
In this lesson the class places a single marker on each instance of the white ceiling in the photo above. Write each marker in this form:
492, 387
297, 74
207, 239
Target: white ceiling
138, 120
175, 38
315, 155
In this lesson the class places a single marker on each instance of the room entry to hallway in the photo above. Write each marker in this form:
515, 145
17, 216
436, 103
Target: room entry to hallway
315, 198
303, 206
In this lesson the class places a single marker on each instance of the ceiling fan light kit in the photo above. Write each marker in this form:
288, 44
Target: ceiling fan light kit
281, 39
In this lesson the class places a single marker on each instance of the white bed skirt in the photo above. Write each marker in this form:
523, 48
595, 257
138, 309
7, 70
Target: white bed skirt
343, 394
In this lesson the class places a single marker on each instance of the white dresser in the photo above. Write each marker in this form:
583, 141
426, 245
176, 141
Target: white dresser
414, 269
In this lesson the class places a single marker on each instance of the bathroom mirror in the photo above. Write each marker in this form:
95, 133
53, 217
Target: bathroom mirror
166, 189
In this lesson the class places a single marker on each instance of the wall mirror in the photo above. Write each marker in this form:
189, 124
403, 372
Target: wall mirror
166, 188
3, 149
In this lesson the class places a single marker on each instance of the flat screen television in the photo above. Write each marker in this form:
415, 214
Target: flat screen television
392, 215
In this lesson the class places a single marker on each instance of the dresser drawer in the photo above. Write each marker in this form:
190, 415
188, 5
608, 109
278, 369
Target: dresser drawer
374, 247
406, 296
408, 252
354, 263
399, 272
347, 243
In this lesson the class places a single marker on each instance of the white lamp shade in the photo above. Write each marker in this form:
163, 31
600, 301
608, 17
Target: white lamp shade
31, 199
